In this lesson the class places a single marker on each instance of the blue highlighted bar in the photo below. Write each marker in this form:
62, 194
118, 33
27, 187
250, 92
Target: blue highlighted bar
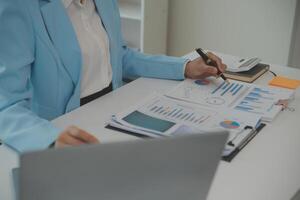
218, 88
153, 108
259, 96
172, 112
227, 90
159, 109
254, 94
184, 116
243, 108
261, 90
251, 110
225, 86
177, 113
244, 103
236, 91
251, 98
235, 86
190, 116
166, 113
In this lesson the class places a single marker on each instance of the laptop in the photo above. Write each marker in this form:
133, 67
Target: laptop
162, 169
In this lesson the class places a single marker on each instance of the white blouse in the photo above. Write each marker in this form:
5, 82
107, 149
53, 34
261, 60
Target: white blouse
94, 44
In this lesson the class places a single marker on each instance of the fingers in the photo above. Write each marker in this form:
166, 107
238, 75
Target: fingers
74, 136
68, 140
222, 67
198, 69
212, 71
215, 58
83, 135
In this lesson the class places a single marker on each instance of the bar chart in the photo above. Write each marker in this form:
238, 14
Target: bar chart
228, 88
178, 113
257, 101
209, 92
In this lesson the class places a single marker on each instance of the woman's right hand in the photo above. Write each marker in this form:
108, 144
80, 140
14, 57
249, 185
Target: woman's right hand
74, 136
198, 69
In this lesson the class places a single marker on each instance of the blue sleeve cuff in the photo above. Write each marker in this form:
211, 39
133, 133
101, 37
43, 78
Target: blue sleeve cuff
36, 138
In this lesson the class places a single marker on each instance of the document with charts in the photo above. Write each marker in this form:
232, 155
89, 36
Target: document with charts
160, 116
203, 106
238, 96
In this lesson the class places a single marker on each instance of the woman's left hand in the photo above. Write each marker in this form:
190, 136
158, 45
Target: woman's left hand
198, 69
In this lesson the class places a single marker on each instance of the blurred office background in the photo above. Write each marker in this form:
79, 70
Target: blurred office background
269, 29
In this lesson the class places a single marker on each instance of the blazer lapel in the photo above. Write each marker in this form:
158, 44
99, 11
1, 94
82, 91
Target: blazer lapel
63, 37
104, 10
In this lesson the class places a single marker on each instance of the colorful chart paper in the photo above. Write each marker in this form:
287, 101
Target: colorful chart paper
230, 124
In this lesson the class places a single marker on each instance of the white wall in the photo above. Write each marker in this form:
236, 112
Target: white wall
260, 28
295, 45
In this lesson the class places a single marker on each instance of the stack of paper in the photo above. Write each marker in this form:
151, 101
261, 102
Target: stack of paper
160, 116
217, 94
202, 106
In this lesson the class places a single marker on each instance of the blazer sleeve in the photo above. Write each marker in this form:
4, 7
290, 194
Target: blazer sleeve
137, 64
20, 128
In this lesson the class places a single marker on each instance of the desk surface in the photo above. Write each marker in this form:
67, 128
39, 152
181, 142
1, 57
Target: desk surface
268, 167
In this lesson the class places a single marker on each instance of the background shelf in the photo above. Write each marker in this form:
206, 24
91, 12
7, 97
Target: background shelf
144, 24
130, 10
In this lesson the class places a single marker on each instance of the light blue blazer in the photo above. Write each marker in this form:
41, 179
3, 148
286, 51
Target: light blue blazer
40, 67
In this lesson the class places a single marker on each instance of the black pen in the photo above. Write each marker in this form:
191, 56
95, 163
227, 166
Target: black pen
211, 62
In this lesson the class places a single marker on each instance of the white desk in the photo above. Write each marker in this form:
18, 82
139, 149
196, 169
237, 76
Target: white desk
267, 169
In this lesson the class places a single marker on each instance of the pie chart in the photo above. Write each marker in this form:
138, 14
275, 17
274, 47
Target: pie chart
202, 82
230, 124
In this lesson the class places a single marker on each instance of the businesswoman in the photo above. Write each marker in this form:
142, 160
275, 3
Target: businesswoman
56, 55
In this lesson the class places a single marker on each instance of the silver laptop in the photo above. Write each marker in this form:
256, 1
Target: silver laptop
155, 169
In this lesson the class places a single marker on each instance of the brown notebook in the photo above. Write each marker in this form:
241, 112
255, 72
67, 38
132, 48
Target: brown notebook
250, 75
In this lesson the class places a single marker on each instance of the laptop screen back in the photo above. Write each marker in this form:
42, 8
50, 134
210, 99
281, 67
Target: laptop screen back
167, 169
